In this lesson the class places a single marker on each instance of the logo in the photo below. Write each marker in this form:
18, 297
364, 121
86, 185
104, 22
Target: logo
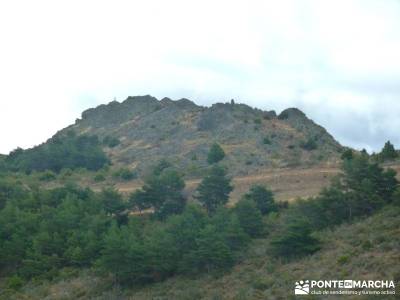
302, 287
345, 287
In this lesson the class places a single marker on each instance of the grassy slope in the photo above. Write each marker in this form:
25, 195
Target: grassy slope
368, 249
287, 184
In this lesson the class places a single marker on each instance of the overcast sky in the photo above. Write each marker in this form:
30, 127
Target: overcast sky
338, 61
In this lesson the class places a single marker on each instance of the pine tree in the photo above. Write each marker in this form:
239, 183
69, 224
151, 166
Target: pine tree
295, 240
347, 154
263, 198
229, 225
124, 256
215, 154
388, 152
112, 201
212, 251
214, 189
250, 217
162, 191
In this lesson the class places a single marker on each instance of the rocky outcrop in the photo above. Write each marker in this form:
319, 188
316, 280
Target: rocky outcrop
182, 132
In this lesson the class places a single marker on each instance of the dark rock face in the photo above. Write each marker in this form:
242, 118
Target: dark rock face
182, 132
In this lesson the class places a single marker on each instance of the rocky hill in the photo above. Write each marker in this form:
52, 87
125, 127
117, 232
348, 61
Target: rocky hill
182, 132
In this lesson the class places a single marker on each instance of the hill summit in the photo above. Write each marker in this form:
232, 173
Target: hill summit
148, 129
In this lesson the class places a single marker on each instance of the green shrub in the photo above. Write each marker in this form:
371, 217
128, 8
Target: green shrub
111, 141
309, 145
66, 172
125, 174
47, 176
396, 197
99, 178
344, 259
261, 283
266, 141
14, 282
366, 245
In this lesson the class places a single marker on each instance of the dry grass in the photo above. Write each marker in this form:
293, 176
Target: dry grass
287, 184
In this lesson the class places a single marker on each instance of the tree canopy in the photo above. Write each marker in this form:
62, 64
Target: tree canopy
162, 191
388, 152
215, 154
68, 151
214, 189
263, 198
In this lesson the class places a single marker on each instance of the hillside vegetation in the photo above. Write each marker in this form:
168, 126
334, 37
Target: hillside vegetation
69, 232
365, 250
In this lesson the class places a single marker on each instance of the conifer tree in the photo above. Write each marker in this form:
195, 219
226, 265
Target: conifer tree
263, 198
250, 217
215, 154
388, 152
214, 189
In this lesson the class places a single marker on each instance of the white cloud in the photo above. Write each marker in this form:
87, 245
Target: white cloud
337, 60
